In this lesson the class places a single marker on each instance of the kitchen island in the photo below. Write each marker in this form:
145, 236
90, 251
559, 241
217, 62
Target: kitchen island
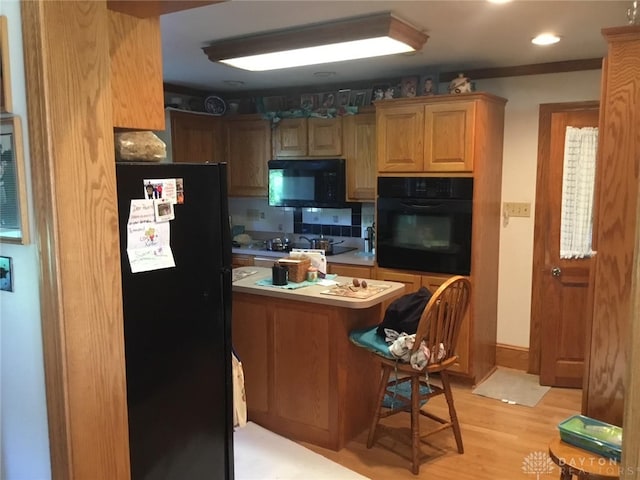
303, 377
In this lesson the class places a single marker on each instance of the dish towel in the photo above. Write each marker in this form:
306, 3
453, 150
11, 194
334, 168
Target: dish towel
578, 178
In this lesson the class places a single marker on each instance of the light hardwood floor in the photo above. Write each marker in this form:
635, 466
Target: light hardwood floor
497, 438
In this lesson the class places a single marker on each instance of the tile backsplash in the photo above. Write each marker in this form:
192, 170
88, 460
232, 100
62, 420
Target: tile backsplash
256, 215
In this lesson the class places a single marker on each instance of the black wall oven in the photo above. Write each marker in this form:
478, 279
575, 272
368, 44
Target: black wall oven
424, 224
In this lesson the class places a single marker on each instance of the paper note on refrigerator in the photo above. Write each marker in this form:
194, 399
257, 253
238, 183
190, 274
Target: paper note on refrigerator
148, 246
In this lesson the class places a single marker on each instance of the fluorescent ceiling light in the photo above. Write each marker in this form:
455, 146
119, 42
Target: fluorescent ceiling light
545, 39
350, 39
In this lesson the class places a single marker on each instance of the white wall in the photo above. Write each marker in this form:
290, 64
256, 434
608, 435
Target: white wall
23, 422
525, 94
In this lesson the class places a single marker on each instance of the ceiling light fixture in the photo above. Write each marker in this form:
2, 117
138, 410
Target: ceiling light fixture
545, 39
348, 39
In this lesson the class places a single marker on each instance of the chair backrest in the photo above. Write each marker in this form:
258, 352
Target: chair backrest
442, 317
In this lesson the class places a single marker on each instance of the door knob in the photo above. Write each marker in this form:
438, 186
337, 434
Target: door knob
555, 271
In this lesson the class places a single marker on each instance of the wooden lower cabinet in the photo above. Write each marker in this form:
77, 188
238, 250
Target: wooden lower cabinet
303, 378
239, 260
413, 282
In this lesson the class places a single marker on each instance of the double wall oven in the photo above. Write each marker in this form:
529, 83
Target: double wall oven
424, 224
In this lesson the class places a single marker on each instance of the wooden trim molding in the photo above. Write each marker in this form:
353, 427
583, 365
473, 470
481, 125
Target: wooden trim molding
512, 356
531, 69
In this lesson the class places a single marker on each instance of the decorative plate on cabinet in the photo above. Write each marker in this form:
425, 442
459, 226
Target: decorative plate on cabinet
215, 105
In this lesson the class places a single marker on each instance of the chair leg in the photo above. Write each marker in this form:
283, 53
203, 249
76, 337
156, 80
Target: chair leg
384, 380
415, 424
444, 376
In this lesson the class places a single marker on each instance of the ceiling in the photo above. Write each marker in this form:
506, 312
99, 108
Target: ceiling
463, 35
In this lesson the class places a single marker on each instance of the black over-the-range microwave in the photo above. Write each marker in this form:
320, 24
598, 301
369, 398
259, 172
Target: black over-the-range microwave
307, 183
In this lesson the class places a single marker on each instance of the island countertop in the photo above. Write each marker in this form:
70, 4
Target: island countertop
314, 293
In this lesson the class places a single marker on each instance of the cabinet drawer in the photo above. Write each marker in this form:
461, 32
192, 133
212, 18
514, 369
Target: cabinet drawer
344, 270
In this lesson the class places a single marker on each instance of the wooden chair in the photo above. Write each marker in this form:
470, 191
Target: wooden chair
439, 325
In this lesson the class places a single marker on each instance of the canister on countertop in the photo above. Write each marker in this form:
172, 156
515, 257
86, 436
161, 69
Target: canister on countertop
279, 274
312, 274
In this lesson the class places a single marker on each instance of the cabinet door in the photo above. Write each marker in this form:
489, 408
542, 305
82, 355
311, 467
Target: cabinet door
290, 138
248, 150
136, 59
354, 271
302, 370
448, 137
432, 282
251, 333
359, 138
325, 137
196, 137
400, 132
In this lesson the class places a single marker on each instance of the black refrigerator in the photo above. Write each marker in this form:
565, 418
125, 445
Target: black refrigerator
177, 319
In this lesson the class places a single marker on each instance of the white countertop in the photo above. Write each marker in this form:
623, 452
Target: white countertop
354, 257
313, 293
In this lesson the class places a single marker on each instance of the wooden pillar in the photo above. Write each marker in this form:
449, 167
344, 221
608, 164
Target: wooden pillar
67, 66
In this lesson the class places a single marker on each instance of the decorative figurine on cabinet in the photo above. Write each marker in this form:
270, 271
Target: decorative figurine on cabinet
461, 84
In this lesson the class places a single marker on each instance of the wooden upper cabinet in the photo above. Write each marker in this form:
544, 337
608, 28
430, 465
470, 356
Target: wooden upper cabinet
308, 137
325, 137
290, 138
400, 132
448, 137
248, 151
136, 59
359, 141
439, 134
196, 137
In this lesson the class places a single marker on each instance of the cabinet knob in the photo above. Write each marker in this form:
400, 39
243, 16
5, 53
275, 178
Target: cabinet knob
556, 272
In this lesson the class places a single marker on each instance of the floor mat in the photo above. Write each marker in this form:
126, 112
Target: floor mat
263, 455
512, 386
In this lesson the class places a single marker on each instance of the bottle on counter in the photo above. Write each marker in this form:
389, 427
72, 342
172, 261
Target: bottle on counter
312, 274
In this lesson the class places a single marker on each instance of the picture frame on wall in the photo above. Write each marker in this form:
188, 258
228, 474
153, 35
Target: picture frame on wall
360, 98
428, 84
343, 98
6, 274
409, 87
14, 224
273, 104
308, 101
328, 100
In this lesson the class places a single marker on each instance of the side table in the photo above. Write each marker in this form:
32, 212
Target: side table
581, 463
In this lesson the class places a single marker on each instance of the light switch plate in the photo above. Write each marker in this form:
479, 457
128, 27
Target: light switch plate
517, 209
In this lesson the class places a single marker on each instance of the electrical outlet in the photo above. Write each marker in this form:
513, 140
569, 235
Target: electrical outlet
336, 219
517, 209
262, 215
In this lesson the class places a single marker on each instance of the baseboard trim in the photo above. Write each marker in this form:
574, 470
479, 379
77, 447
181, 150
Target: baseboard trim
511, 356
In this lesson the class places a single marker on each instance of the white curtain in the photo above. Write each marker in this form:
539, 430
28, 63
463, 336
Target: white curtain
580, 147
